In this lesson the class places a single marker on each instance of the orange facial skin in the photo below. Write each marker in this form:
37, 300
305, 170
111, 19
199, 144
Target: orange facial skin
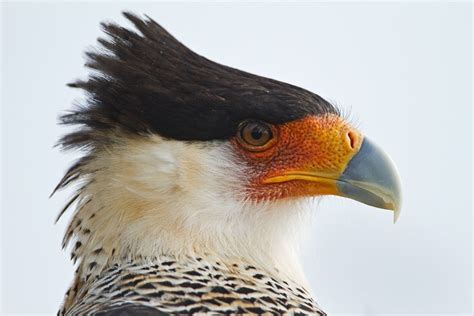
305, 158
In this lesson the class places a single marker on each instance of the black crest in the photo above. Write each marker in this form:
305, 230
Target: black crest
148, 82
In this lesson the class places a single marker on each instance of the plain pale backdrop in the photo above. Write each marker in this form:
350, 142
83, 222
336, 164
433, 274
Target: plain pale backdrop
403, 70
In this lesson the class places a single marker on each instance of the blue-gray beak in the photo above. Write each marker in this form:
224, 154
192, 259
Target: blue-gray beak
372, 178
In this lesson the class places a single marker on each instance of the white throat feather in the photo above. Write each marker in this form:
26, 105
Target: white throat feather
147, 196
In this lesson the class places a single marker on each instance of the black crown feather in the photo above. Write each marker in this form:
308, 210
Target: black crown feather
149, 82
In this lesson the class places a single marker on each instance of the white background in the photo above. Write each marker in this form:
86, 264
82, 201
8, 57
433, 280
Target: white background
403, 69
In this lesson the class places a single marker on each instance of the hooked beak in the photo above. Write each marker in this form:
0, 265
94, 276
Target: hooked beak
371, 178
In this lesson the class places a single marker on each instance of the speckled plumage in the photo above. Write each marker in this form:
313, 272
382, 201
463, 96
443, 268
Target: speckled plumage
189, 285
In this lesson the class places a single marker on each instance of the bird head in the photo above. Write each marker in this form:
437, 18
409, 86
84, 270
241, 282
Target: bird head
183, 155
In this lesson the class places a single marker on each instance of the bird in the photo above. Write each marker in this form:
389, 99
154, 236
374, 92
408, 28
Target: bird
196, 180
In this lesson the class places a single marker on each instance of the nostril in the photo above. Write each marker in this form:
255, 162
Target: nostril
352, 138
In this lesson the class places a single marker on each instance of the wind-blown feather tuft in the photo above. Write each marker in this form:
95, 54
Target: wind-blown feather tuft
148, 82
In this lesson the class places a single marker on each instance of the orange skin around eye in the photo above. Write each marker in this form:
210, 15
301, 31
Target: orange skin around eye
305, 159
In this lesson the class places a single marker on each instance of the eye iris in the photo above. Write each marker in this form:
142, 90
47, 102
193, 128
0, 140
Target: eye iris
256, 133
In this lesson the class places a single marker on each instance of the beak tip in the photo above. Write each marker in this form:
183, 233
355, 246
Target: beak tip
372, 178
395, 206
396, 215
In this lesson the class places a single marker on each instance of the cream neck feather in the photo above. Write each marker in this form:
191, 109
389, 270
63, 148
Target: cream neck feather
152, 197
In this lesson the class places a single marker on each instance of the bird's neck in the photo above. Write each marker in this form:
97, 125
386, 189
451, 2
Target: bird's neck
107, 233
128, 212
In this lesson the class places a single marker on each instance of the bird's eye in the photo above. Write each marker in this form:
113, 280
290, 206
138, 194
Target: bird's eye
255, 134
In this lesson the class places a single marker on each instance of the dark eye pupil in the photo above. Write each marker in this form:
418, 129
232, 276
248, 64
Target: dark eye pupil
257, 133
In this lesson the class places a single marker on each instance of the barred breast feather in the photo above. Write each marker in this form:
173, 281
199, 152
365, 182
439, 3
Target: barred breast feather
190, 285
